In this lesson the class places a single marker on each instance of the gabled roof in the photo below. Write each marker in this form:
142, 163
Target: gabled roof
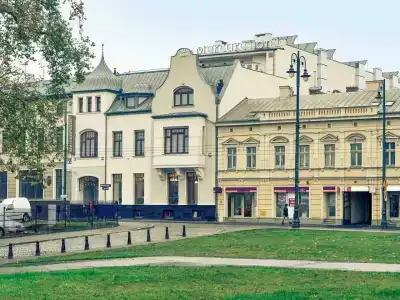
247, 109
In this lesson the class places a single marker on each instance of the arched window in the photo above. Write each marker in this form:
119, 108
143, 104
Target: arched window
183, 96
89, 144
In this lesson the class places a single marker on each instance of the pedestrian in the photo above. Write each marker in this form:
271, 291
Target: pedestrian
286, 215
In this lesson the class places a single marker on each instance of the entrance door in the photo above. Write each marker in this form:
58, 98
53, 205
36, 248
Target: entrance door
357, 208
241, 204
89, 185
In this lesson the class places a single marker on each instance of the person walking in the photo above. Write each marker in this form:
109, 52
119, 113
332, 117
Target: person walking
286, 215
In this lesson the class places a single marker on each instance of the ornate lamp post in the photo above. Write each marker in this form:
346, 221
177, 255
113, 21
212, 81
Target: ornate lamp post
382, 100
299, 61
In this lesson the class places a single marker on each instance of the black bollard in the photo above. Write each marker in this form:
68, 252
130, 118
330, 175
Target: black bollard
166, 233
184, 231
63, 246
108, 241
37, 248
148, 235
129, 238
10, 252
86, 243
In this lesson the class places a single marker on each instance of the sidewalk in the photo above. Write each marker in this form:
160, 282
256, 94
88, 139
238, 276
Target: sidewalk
207, 262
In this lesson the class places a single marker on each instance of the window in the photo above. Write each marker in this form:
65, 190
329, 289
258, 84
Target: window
304, 205
80, 105
390, 154
173, 189
280, 157
356, 155
59, 183
134, 101
192, 188
330, 199
329, 156
3, 185
89, 104
231, 158
89, 144
183, 96
117, 188
304, 156
281, 200
31, 186
394, 206
176, 140
98, 104
139, 188
251, 157
139, 143
117, 147
60, 138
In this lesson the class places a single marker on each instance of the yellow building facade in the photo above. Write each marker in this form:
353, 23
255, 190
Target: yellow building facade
340, 159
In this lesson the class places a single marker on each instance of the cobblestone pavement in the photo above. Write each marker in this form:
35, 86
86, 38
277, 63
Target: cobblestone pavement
208, 262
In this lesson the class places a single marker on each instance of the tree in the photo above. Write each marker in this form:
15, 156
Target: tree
30, 108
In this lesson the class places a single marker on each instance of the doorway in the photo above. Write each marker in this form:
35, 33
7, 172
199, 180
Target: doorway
357, 208
241, 205
90, 187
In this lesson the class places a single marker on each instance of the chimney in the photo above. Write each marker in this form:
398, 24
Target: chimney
372, 85
393, 78
360, 74
377, 74
285, 91
321, 67
115, 71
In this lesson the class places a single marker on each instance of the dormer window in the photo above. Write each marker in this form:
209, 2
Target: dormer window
134, 101
183, 96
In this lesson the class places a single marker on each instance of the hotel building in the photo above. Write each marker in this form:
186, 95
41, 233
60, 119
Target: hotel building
148, 138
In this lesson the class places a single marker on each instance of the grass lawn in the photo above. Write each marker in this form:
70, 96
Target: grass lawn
200, 283
277, 244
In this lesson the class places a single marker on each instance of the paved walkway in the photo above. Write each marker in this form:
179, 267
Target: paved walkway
207, 262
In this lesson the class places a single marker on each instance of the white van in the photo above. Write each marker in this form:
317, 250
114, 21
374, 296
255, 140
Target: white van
18, 209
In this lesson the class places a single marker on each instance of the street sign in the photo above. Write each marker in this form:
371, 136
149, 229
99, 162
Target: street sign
218, 190
105, 188
105, 185
63, 196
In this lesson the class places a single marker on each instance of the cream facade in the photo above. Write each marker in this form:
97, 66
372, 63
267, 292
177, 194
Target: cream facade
340, 159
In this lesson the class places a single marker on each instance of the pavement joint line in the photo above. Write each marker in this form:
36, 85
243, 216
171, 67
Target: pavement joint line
208, 262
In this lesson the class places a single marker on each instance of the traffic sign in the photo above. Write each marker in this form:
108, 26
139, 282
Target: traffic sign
63, 196
107, 185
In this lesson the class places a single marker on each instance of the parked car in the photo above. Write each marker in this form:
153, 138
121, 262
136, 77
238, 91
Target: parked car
8, 225
17, 209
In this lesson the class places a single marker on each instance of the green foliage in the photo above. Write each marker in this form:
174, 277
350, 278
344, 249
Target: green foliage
31, 109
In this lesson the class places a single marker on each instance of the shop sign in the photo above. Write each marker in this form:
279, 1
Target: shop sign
251, 45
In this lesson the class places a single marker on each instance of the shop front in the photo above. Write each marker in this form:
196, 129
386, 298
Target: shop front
393, 196
286, 195
242, 202
329, 202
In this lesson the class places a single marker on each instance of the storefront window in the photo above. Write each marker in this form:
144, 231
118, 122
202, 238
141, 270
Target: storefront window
304, 207
394, 206
241, 205
280, 203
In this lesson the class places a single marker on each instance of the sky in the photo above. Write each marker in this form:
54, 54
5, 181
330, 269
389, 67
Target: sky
141, 35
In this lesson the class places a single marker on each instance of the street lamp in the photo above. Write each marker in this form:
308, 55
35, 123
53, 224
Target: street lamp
300, 61
382, 100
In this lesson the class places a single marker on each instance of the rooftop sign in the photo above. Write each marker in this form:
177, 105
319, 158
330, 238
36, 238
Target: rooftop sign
241, 47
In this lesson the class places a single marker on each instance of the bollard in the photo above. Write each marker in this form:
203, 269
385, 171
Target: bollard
184, 231
108, 241
37, 248
166, 233
148, 235
129, 238
63, 246
10, 252
86, 243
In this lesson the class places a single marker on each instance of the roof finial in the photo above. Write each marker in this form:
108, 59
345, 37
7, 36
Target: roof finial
102, 51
